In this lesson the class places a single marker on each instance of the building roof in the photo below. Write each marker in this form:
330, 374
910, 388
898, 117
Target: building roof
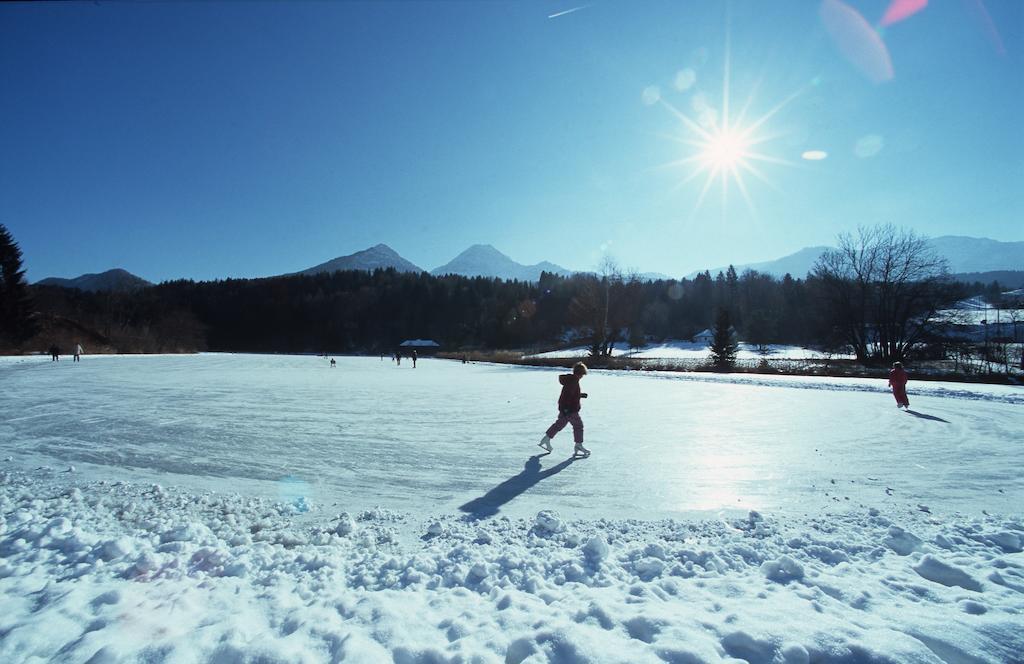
419, 343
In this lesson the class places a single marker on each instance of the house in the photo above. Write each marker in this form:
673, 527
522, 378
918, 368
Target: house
708, 336
421, 346
705, 337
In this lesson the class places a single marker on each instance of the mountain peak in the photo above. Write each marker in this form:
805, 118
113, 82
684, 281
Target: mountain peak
484, 260
116, 279
482, 249
379, 256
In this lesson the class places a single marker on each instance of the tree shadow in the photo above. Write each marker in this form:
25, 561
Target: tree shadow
490, 503
925, 416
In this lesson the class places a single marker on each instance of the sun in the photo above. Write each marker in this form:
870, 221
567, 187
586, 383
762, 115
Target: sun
724, 146
724, 149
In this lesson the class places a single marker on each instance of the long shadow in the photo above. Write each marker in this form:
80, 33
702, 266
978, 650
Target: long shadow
925, 416
489, 503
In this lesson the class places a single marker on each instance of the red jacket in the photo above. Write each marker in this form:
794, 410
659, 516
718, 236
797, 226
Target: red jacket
569, 399
898, 377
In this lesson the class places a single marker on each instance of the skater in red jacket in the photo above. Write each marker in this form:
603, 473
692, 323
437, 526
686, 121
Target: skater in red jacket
569, 410
898, 383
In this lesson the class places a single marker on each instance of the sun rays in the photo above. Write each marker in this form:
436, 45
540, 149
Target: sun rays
724, 149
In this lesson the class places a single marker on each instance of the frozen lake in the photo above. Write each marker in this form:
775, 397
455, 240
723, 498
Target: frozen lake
815, 522
446, 435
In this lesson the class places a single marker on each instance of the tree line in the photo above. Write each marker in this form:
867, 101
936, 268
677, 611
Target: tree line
877, 294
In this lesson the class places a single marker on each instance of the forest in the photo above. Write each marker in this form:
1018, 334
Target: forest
878, 294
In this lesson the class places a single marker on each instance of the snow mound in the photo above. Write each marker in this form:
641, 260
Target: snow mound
938, 571
132, 574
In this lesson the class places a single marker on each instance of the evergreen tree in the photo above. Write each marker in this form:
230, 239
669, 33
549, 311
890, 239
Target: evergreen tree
723, 345
16, 323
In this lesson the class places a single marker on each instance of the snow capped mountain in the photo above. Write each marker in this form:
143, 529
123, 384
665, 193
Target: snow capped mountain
965, 254
483, 260
380, 256
117, 280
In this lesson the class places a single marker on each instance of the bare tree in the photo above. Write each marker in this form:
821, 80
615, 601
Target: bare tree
605, 305
883, 289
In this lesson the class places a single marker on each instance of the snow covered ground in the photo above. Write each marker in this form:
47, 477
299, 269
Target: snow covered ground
268, 508
690, 350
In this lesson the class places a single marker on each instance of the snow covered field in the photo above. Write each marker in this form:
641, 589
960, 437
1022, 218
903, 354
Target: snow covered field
268, 508
691, 350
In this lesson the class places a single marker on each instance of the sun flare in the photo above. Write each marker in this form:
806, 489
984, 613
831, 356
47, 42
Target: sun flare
724, 146
724, 150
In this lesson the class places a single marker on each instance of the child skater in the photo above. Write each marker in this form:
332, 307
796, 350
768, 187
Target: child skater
569, 410
898, 383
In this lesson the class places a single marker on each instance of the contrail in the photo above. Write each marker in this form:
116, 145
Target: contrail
568, 11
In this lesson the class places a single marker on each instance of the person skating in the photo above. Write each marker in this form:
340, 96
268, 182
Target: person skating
569, 410
78, 352
898, 383
414, 358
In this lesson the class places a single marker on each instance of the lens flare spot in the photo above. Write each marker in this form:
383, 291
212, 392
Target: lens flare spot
814, 155
856, 40
651, 95
685, 78
868, 146
901, 10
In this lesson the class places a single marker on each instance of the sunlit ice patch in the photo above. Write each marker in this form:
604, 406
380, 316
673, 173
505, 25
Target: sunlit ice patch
814, 155
858, 42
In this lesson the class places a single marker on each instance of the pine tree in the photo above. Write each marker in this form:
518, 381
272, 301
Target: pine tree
723, 346
16, 323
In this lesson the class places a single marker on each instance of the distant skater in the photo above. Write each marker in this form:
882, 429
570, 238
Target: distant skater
898, 383
414, 358
54, 353
398, 358
333, 363
569, 410
78, 352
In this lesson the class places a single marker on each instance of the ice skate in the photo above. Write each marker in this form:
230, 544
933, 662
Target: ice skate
545, 442
579, 450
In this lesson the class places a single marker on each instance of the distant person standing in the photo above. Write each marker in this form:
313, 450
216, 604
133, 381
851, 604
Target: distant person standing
898, 383
414, 358
569, 410
78, 352
398, 358
333, 363
54, 353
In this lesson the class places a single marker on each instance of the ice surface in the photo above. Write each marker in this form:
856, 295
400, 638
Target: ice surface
447, 435
259, 508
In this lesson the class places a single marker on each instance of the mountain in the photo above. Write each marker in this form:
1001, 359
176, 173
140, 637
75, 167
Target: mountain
797, 264
381, 256
483, 260
965, 254
1007, 278
117, 280
979, 254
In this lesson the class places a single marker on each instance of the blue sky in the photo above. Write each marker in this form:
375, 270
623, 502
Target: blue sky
211, 140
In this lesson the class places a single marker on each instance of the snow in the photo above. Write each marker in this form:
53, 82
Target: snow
264, 508
694, 350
